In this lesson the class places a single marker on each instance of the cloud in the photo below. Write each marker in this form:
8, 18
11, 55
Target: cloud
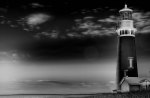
89, 25
142, 21
85, 26
112, 10
110, 19
7, 55
33, 21
74, 35
107, 25
91, 32
102, 32
88, 17
92, 26
47, 34
36, 19
36, 5
145, 29
12, 56
5, 20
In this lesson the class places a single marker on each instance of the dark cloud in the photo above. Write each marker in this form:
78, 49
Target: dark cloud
66, 30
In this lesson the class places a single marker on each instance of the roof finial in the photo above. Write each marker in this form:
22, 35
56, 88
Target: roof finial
125, 6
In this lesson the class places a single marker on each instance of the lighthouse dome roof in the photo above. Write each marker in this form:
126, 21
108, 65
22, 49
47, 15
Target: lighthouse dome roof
125, 9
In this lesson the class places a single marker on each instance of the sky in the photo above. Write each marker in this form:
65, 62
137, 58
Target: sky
68, 43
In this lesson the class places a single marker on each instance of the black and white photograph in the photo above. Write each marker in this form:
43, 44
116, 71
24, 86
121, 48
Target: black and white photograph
74, 49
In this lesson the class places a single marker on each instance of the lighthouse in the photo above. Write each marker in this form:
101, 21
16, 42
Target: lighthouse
127, 60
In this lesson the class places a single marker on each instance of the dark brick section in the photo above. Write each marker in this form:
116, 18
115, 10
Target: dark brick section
126, 49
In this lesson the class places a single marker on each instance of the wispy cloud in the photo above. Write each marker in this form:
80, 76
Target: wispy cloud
145, 29
93, 26
7, 55
110, 19
47, 34
36, 5
74, 35
33, 21
142, 21
12, 56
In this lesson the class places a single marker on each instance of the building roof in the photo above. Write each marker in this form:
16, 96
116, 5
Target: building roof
125, 9
134, 80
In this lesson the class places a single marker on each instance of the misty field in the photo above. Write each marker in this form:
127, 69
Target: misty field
144, 94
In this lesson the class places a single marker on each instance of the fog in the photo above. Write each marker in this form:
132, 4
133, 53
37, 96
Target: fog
26, 71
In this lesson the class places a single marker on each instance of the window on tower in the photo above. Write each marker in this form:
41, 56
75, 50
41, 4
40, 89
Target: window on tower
130, 15
132, 32
122, 31
125, 15
126, 32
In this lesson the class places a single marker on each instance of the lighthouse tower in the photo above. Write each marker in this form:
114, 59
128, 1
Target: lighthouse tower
127, 61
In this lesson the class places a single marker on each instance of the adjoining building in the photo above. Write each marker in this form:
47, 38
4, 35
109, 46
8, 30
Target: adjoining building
131, 84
